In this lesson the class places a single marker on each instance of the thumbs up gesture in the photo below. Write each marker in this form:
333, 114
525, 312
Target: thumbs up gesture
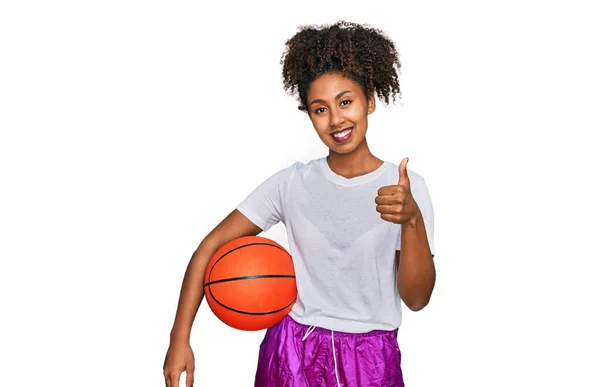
395, 203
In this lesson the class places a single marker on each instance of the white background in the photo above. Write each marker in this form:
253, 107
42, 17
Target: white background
129, 129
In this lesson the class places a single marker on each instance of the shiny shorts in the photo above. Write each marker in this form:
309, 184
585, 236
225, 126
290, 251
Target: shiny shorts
296, 355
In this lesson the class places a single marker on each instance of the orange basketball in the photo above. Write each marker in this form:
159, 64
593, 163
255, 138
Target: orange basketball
250, 283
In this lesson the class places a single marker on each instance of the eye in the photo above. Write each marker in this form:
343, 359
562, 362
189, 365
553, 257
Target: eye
320, 110
346, 100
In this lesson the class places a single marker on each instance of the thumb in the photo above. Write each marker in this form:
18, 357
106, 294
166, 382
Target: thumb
403, 180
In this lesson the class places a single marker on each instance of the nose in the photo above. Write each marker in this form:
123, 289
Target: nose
336, 118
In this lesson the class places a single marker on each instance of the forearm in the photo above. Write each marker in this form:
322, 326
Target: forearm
192, 293
416, 270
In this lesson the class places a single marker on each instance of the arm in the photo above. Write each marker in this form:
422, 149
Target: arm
235, 225
258, 212
262, 209
414, 258
416, 270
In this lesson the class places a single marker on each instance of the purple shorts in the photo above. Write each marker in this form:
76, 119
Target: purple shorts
295, 355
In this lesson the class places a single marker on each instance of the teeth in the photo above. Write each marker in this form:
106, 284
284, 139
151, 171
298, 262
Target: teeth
342, 134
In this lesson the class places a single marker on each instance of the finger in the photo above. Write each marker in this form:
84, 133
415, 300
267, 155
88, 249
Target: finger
387, 190
189, 379
395, 218
387, 209
174, 380
389, 217
388, 199
403, 171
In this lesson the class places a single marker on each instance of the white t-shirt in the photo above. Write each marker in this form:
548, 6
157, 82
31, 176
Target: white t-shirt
343, 252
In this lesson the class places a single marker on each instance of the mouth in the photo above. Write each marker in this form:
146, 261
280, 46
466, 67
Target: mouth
342, 136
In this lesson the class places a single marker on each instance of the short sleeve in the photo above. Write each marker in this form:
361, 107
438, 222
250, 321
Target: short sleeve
421, 195
264, 206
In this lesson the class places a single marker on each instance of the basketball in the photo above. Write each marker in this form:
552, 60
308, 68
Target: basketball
250, 283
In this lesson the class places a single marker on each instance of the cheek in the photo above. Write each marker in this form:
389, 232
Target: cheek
321, 124
358, 113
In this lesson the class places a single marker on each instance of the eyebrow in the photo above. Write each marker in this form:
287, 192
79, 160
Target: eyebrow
336, 97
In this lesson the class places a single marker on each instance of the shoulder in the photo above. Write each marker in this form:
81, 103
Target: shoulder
302, 167
288, 172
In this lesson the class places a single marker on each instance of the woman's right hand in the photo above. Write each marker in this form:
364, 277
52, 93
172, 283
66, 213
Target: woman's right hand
179, 358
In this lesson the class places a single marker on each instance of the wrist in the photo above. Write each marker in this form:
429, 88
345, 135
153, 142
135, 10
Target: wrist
179, 337
413, 220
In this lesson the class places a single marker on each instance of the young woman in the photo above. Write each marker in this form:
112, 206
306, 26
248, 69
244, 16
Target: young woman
360, 230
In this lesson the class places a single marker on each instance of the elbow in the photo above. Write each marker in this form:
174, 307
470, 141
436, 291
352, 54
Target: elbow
416, 301
417, 305
416, 294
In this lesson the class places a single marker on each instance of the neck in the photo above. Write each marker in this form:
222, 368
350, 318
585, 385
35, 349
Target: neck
356, 163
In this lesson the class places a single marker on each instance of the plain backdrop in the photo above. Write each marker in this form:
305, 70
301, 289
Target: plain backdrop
129, 129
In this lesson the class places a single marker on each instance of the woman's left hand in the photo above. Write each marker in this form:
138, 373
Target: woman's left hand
395, 203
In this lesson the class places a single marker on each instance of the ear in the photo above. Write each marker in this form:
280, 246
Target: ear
371, 105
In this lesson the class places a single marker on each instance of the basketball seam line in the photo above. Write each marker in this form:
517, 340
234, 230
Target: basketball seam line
250, 277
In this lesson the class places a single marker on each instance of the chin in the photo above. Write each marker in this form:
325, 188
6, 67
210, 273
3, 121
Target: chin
345, 148
341, 151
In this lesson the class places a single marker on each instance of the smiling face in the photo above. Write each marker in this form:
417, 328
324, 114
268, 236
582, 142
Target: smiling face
338, 109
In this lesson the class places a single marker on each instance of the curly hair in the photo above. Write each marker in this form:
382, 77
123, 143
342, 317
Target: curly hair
363, 53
